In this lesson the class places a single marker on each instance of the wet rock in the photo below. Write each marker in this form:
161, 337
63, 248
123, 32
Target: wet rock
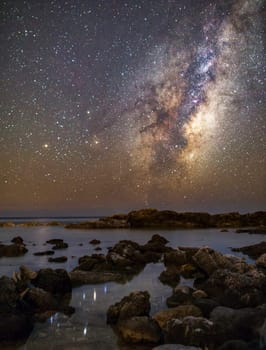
26, 273
140, 329
12, 250
88, 263
135, 304
237, 323
206, 305
224, 230
53, 281
8, 294
15, 327
190, 252
163, 316
40, 300
176, 257
97, 249
17, 240
181, 295
197, 331
188, 271
61, 245
170, 276
210, 260
237, 289
55, 241
59, 259
261, 261
95, 241
46, 252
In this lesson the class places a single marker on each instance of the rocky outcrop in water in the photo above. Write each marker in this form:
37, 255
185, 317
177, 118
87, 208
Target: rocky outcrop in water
22, 303
171, 219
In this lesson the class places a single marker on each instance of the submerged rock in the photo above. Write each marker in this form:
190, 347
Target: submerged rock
17, 240
59, 259
95, 241
46, 252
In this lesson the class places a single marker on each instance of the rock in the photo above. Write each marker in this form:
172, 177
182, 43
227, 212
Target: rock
59, 259
190, 252
210, 260
163, 316
224, 230
234, 345
261, 261
95, 241
181, 295
188, 271
170, 276
206, 305
135, 304
53, 281
55, 241
46, 252
61, 245
17, 240
93, 262
26, 273
79, 277
14, 327
176, 257
175, 347
139, 329
103, 223
237, 289
241, 324
254, 251
199, 294
12, 250
97, 249
157, 239
8, 294
39, 300
197, 331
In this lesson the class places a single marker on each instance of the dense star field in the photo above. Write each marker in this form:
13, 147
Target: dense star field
108, 106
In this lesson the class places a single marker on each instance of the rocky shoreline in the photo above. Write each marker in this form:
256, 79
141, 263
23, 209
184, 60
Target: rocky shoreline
225, 309
153, 218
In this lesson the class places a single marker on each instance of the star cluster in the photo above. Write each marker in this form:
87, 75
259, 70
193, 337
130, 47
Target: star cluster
107, 106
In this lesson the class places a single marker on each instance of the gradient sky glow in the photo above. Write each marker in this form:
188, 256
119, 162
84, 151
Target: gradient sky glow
109, 106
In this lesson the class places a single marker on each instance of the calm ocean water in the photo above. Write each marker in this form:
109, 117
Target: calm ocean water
86, 328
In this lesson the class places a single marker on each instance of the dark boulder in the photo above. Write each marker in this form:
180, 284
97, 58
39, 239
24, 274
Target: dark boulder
176, 257
17, 240
53, 281
95, 241
59, 259
241, 324
61, 245
170, 276
235, 289
46, 252
8, 294
55, 241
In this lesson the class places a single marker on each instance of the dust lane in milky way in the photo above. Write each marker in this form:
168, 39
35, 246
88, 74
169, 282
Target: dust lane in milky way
107, 107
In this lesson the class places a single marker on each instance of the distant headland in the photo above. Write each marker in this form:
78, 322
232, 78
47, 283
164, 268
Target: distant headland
153, 218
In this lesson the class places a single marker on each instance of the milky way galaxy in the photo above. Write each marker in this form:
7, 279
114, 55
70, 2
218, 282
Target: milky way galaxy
111, 106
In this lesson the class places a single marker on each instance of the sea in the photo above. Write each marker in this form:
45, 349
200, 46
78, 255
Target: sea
87, 328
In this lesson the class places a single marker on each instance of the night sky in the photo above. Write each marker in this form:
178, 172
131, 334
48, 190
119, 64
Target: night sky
109, 106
